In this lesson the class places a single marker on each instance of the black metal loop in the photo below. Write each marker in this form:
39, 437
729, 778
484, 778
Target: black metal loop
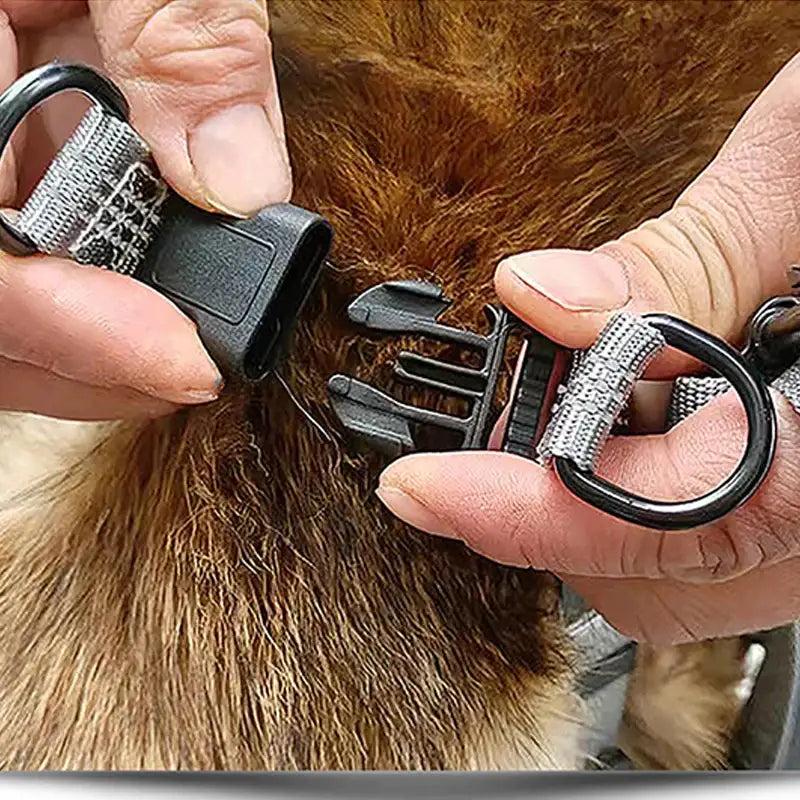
34, 88
774, 341
738, 487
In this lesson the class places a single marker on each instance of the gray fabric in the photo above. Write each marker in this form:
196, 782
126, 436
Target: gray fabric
788, 385
691, 393
597, 643
597, 390
601, 728
596, 638
99, 201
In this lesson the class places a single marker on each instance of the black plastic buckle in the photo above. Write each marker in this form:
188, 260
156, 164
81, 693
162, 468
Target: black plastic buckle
243, 282
394, 428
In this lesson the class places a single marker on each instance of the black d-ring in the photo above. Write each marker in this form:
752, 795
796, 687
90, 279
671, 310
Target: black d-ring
737, 488
28, 92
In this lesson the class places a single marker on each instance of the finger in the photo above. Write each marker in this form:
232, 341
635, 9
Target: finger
724, 247
45, 129
514, 511
199, 78
8, 73
97, 327
672, 612
27, 388
41, 13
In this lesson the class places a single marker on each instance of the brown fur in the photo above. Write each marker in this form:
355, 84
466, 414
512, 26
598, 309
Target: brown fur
221, 589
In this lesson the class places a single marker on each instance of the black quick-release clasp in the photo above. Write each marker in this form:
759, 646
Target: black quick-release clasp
244, 282
396, 428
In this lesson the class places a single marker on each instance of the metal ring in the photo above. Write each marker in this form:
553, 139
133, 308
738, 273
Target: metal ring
774, 334
28, 92
738, 487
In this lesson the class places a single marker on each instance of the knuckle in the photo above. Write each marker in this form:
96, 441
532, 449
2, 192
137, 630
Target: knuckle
723, 245
701, 557
754, 537
221, 45
691, 257
724, 554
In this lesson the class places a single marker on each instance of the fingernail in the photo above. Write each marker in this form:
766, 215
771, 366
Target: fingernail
412, 512
239, 161
574, 279
208, 382
212, 383
206, 395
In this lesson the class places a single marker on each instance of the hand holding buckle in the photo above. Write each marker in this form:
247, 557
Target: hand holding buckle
567, 426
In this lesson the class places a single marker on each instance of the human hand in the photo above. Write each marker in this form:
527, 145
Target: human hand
725, 246
87, 343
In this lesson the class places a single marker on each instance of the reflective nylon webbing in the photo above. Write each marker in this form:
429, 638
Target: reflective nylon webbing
598, 388
99, 201
690, 393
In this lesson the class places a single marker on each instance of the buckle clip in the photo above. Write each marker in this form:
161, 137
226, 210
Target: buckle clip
392, 427
395, 428
103, 202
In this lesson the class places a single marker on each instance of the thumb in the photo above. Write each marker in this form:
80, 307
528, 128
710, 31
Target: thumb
8, 73
200, 80
723, 248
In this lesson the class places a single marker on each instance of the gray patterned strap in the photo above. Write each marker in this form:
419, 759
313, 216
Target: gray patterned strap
597, 390
691, 393
788, 384
600, 383
99, 201
606, 663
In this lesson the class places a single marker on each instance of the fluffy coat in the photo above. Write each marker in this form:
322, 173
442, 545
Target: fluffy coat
221, 589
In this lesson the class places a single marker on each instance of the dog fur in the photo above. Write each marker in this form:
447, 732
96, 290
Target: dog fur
220, 589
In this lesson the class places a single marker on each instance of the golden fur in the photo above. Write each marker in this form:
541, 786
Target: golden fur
698, 681
220, 589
